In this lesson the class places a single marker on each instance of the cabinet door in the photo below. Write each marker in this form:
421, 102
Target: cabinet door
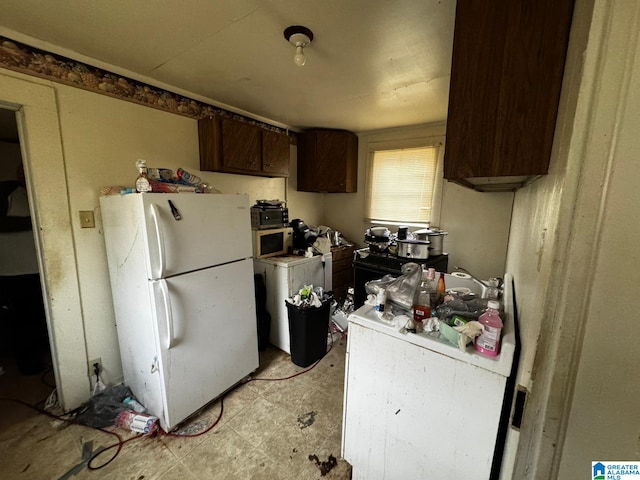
306, 162
210, 144
241, 146
342, 275
506, 73
422, 414
334, 162
327, 161
275, 153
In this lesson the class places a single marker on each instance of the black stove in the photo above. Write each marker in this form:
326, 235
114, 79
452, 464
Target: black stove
368, 265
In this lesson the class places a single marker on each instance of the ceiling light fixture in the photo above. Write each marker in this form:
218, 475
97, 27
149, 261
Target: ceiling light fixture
299, 37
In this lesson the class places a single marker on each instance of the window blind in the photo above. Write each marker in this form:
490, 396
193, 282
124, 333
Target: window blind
401, 185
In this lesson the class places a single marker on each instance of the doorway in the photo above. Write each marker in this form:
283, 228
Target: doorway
26, 365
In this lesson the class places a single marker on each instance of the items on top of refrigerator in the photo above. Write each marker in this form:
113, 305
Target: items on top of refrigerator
142, 182
161, 180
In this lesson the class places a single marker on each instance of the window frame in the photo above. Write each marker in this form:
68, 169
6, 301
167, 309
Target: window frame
414, 142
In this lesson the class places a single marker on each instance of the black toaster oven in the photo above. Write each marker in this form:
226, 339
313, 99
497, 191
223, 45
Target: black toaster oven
267, 214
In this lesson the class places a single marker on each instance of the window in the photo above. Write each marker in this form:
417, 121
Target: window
401, 185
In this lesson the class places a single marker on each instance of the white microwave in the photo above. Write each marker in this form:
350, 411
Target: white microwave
272, 242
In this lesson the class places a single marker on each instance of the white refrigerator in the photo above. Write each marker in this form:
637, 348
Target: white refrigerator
181, 277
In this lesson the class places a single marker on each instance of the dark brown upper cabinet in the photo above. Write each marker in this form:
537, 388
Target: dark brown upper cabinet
233, 146
506, 75
327, 161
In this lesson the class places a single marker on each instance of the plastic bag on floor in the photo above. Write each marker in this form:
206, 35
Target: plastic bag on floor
102, 409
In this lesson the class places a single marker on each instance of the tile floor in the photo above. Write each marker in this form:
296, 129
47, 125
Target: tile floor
287, 429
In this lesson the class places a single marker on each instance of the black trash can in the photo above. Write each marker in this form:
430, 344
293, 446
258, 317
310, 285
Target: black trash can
308, 330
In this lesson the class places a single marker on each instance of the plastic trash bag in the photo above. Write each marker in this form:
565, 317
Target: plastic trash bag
309, 297
102, 409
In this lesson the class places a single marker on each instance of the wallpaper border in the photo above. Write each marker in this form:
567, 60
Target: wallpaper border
40, 63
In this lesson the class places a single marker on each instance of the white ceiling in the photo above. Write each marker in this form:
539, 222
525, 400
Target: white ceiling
373, 63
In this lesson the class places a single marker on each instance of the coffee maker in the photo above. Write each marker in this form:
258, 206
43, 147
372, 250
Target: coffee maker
303, 236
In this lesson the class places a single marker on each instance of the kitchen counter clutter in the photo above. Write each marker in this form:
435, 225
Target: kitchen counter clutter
428, 409
368, 265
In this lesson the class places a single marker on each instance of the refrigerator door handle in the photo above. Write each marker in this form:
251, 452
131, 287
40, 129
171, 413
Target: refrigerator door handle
169, 316
159, 239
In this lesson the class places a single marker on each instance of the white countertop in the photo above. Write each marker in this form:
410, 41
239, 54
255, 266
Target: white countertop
368, 317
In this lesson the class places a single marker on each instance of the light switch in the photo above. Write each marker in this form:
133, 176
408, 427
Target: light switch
86, 219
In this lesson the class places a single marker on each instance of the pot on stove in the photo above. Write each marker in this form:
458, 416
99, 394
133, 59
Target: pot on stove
418, 249
433, 235
378, 239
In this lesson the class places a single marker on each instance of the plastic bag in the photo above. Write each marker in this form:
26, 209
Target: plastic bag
102, 409
309, 297
470, 309
401, 292
373, 286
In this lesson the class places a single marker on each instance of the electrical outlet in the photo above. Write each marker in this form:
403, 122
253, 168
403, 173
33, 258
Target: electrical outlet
86, 219
91, 364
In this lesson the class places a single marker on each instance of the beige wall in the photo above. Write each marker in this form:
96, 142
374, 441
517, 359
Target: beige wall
477, 223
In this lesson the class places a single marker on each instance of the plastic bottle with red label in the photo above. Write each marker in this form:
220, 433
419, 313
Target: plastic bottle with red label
188, 177
422, 303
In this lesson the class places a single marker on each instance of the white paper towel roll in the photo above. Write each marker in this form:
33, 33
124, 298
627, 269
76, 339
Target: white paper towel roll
461, 275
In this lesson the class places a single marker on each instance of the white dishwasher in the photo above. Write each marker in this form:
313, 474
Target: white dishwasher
415, 406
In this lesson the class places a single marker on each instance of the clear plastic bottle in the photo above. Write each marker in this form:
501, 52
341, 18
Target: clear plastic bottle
488, 342
188, 177
143, 184
433, 287
134, 405
422, 302
381, 299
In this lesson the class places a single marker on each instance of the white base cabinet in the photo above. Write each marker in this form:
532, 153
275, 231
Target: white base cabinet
415, 407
